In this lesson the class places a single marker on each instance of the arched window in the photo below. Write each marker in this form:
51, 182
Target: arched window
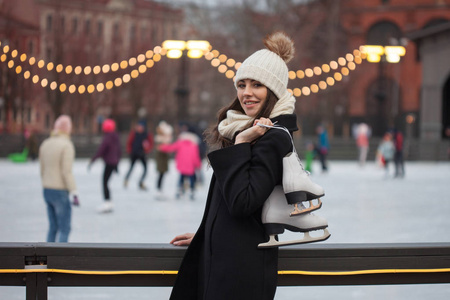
383, 33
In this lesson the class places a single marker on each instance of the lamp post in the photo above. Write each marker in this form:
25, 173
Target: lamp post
390, 54
175, 50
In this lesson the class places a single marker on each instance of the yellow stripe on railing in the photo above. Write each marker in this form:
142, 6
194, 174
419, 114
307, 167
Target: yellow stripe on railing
171, 272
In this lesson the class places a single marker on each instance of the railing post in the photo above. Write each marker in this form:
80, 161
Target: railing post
42, 286
31, 287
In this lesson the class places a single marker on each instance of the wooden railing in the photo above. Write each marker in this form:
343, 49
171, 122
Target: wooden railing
42, 265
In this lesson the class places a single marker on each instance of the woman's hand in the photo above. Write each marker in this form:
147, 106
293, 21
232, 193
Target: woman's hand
255, 132
183, 239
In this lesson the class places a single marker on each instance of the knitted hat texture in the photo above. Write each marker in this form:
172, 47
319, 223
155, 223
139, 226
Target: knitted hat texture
63, 124
268, 66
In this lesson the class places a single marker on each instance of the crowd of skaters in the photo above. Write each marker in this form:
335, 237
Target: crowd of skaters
188, 149
57, 155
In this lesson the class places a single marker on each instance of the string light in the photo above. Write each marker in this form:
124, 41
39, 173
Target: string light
147, 60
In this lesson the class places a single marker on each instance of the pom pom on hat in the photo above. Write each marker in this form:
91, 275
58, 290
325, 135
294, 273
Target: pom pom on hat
109, 125
63, 124
268, 66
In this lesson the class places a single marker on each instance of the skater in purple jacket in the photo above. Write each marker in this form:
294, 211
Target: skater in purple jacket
110, 151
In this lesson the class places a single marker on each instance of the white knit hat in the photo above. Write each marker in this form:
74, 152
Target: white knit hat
268, 66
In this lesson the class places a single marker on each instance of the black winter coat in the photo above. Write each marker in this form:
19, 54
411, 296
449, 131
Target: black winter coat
223, 260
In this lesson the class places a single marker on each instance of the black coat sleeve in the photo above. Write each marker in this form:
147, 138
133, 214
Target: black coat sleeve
247, 174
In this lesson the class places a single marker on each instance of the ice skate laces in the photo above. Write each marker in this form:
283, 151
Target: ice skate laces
292, 141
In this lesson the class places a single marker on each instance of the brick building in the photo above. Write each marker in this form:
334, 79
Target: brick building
384, 94
97, 32
83, 33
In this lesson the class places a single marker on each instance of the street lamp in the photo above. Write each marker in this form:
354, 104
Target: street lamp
175, 49
390, 54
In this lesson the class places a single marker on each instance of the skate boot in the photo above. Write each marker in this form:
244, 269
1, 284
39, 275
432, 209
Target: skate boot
275, 217
298, 186
106, 207
179, 194
142, 186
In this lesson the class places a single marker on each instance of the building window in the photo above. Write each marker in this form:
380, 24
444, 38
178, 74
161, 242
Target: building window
116, 30
132, 32
48, 54
63, 24
86, 122
47, 120
174, 32
49, 25
154, 34
74, 25
30, 47
143, 30
87, 28
99, 29
28, 114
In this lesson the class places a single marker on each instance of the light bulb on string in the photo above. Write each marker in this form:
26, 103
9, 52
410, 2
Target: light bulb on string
62, 87
100, 87
72, 88
142, 69
126, 78
91, 88
50, 66
78, 70
292, 75
106, 68
81, 89
109, 85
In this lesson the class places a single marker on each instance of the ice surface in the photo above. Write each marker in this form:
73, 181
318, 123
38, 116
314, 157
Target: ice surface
361, 206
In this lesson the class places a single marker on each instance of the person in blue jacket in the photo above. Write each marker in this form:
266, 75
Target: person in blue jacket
139, 144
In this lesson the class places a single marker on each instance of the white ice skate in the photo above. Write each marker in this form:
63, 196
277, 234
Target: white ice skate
106, 207
275, 217
298, 186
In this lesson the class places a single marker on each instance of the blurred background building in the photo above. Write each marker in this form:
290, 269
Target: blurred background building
411, 93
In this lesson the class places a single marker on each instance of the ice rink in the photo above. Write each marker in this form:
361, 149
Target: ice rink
361, 205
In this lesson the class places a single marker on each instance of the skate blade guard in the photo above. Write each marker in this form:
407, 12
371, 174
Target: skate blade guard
307, 238
303, 210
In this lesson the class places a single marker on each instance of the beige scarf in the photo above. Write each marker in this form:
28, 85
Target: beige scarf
237, 120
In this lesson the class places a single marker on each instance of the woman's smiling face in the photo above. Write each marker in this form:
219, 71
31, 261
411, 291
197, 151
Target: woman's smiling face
252, 95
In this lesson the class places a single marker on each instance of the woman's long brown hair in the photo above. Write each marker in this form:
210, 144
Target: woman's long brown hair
212, 136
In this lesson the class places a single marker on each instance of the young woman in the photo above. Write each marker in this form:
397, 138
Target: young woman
223, 260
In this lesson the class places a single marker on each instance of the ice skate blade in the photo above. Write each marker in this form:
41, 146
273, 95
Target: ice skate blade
312, 207
306, 239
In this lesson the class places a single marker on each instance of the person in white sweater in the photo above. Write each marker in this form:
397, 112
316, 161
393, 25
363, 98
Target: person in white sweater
56, 156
